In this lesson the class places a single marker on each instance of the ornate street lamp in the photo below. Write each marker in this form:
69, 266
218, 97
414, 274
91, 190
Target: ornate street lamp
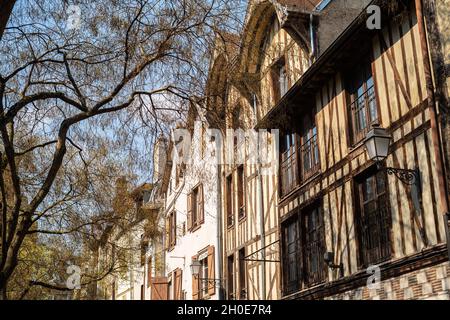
377, 144
195, 270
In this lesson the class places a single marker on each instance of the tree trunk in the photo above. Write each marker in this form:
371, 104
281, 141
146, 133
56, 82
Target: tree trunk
5, 12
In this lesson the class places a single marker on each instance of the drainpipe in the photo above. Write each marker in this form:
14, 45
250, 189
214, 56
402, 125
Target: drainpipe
219, 231
311, 36
435, 130
261, 224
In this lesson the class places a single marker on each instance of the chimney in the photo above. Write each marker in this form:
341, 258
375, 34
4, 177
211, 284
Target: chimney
159, 158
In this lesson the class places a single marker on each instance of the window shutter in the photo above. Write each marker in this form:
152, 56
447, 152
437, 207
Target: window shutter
167, 234
201, 207
189, 212
178, 284
211, 271
174, 229
195, 288
160, 289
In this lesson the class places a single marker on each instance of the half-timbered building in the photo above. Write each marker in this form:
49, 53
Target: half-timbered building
351, 227
332, 222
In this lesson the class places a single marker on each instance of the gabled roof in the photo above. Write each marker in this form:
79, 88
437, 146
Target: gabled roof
338, 56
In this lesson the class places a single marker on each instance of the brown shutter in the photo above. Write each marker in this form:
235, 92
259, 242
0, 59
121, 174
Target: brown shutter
211, 271
174, 229
167, 240
189, 212
195, 288
201, 207
178, 284
160, 288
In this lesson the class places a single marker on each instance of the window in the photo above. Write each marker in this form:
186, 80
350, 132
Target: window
280, 82
203, 276
303, 237
241, 191
230, 278
242, 275
172, 230
309, 150
291, 255
374, 219
289, 164
313, 246
203, 285
229, 195
179, 174
363, 104
195, 208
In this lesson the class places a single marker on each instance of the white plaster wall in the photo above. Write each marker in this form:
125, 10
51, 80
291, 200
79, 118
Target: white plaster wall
201, 171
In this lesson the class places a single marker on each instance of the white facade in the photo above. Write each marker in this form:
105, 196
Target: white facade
201, 171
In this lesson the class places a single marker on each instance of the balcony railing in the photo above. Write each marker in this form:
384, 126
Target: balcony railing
310, 165
310, 158
364, 114
289, 172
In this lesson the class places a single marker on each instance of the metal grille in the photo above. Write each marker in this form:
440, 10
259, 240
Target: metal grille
314, 247
375, 220
292, 257
310, 157
289, 171
364, 112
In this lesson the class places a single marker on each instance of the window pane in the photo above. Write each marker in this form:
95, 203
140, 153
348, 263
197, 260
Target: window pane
375, 220
291, 263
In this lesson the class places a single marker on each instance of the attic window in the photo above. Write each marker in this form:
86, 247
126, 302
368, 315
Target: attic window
280, 83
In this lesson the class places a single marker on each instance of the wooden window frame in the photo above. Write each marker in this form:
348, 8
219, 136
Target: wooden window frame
203, 285
291, 255
201, 289
313, 276
289, 164
241, 189
196, 208
242, 275
171, 233
369, 96
299, 257
229, 200
231, 295
309, 144
275, 76
383, 219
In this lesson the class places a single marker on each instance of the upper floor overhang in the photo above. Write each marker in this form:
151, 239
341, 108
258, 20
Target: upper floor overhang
339, 56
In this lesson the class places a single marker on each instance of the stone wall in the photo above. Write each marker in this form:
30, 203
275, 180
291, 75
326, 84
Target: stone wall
431, 283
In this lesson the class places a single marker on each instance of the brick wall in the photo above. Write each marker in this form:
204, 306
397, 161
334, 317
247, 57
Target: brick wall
430, 283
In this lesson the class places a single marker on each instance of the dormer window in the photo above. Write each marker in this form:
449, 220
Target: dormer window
280, 81
283, 81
